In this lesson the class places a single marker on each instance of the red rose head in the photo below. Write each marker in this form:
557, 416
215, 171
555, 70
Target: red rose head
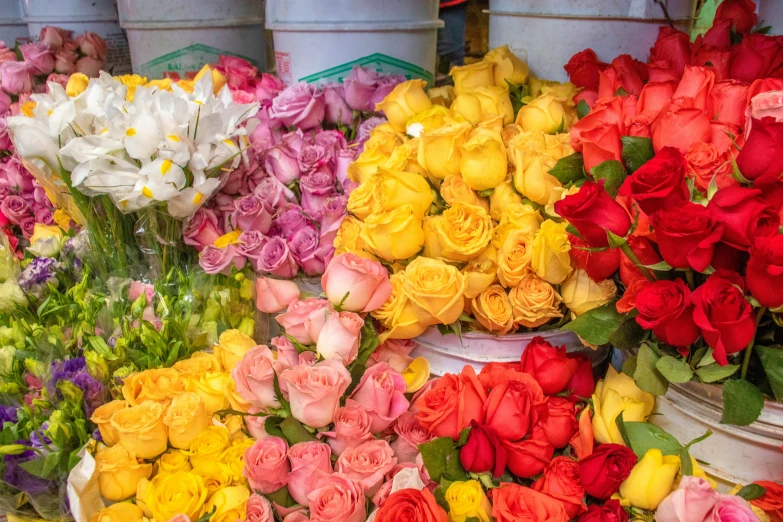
528, 457
561, 481
660, 183
694, 88
582, 384
680, 127
765, 271
583, 69
559, 423
605, 469
762, 154
728, 100
741, 13
599, 265
482, 452
687, 236
665, 307
513, 408
592, 211
746, 217
548, 365
655, 96
673, 46
610, 511
755, 57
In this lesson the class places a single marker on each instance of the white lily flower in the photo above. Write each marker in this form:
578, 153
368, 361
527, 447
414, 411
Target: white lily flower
142, 137
192, 198
90, 147
164, 172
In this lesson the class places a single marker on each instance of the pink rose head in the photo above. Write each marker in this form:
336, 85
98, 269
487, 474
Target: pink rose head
359, 87
314, 391
351, 427
307, 251
5, 138
6, 54
43, 215
340, 337
274, 295
367, 463
256, 425
275, 258
216, 260
730, 508
304, 319
356, 283
272, 191
5, 104
410, 433
765, 105
92, 45
54, 37
317, 187
285, 351
337, 498
60, 79
28, 227
237, 181
279, 162
312, 157
65, 61
290, 218
310, 461
386, 85
137, 288
89, 66
690, 502
394, 352
266, 465
202, 229
267, 87
337, 110
254, 376
16, 209
333, 215
250, 244
252, 213
259, 509
16, 77
296, 516
382, 393
342, 161
332, 140
38, 56
300, 105
238, 72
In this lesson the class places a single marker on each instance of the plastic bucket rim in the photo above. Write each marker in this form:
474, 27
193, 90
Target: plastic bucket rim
191, 24
585, 17
68, 19
333, 27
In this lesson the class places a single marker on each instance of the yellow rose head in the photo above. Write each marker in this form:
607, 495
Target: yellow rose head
468, 77
492, 309
484, 104
230, 504
405, 100
546, 113
439, 149
234, 458
581, 294
141, 429
119, 472
215, 477
141, 493
481, 272
650, 480
399, 315
208, 446
468, 500
196, 366
232, 346
441, 95
483, 161
464, 232
101, 417
515, 257
617, 393
551, 260
235, 401
428, 120
158, 385
385, 137
416, 374
436, 287
362, 199
185, 418
454, 188
77, 84
565, 90
120, 512
432, 244
503, 196
396, 188
351, 238
508, 67
518, 216
182, 492
210, 387
533, 155
367, 163
174, 460
534, 302
395, 234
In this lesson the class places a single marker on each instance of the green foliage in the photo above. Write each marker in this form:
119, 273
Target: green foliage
742, 402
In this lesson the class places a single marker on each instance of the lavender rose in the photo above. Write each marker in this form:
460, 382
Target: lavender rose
272, 191
250, 243
337, 110
220, 260
39, 56
300, 105
16, 209
312, 157
334, 213
316, 187
290, 220
28, 226
252, 213
344, 159
277, 259
360, 85
332, 140
282, 164
304, 245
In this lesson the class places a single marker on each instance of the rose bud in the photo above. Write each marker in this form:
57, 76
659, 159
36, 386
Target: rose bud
483, 452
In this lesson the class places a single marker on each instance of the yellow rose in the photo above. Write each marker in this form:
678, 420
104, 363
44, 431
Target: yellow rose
234, 458
441, 95
367, 163
551, 260
439, 149
141, 492
581, 294
464, 232
131, 81
503, 196
650, 480
185, 418
77, 84
230, 504
218, 80
163, 84
468, 500
197, 364
481, 272
534, 302
102, 418
396, 234
565, 90
208, 446
235, 401
362, 199
517, 216
235, 425
406, 158
209, 387
399, 315
174, 460
395, 188
120, 512
483, 163
432, 244
430, 119
179, 493
158, 385
546, 113
46, 240
141, 429
385, 137
509, 132
215, 477
514, 257
468, 77
485, 103
454, 188
492, 309
436, 287
507, 66
232, 346
493, 123
351, 238
119, 471
614, 394
406, 100
533, 155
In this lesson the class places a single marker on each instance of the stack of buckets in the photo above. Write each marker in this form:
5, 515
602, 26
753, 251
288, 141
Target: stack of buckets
12, 26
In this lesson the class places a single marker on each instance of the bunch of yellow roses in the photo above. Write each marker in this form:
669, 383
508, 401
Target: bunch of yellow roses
162, 446
456, 197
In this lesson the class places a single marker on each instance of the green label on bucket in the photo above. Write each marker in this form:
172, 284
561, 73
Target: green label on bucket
378, 61
185, 63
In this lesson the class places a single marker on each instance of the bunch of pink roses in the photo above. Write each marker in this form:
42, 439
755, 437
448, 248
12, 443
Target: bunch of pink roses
23, 202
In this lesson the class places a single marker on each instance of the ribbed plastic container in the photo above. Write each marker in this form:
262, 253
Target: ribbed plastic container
96, 16
322, 41
176, 42
771, 13
552, 31
12, 24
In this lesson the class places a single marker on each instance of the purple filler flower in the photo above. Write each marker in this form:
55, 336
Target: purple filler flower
8, 414
37, 274
20, 478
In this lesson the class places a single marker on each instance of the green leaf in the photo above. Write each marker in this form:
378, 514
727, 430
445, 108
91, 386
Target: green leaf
621, 92
569, 169
613, 174
636, 152
643, 436
281, 497
279, 393
708, 358
675, 370
486, 192
629, 366
686, 465
582, 109
663, 266
294, 432
441, 457
571, 229
628, 335
272, 426
597, 325
561, 127
647, 375
712, 188
742, 402
772, 362
206, 517
752, 492
614, 240
463, 437
715, 372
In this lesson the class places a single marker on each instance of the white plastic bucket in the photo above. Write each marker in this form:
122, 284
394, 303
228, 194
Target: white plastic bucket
771, 14
552, 31
178, 40
12, 26
322, 41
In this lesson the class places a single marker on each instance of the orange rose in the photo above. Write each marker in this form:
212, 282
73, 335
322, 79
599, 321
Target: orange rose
452, 403
511, 502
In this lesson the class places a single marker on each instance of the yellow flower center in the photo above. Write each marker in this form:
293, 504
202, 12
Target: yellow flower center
130, 132
147, 192
165, 166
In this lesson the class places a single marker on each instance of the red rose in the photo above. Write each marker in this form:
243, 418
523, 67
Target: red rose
687, 236
673, 46
528, 457
764, 85
763, 150
482, 452
548, 365
611, 511
559, 423
714, 59
663, 71
765, 271
726, 137
695, 86
655, 96
561, 481
495, 373
771, 188
660, 183
665, 307
728, 100
605, 469
641, 125
515, 503
583, 69
601, 143
679, 127
723, 314
592, 211
598, 265
755, 57
589, 97
741, 13
452, 403
719, 35
624, 72
411, 505
705, 162
644, 250
729, 258
513, 408
582, 384
745, 216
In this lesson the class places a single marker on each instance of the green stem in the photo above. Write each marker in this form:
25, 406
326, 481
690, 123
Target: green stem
689, 278
626, 248
749, 349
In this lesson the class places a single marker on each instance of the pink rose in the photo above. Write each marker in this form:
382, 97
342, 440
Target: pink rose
386, 85
394, 352
16, 77
254, 376
266, 465
237, 182
690, 502
317, 187
28, 227
137, 288
252, 213
343, 160
250, 243
276, 258
44, 216
216, 260
300, 105
312, 157
764, 105
337, 498
243, 96
304, 318
202, 229
382, 393
38, 56
65, 60
333, 215
357, 283
92, 45
236, 70
730, 508
271, 191
340, 337
279, 162
259, 509
351, 427
54, 37
296, 516
5, 138
410, 433
314, 391
15, 209
60, 79
307, 251
285, 350
337, 110
359, 88
89, 66
274, 295
310, 461
6, 54
267, 87
367, 463
256, 425
332, 140
290, 219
